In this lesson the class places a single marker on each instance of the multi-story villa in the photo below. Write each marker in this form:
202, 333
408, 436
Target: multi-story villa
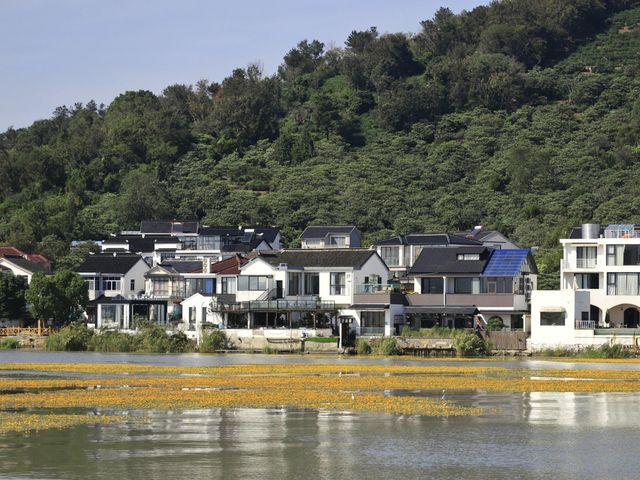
599, 296
454, 284
23, 264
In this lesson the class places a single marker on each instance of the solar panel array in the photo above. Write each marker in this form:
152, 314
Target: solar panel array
505, 263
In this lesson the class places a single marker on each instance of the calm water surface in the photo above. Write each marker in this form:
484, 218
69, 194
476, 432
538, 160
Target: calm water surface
531, 436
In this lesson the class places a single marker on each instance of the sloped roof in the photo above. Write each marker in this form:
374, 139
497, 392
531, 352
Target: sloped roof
109, 263
28, 265
184, 266
321, 231
229, 266
428, 239
505, 263
338, 258
445, 260
10, 252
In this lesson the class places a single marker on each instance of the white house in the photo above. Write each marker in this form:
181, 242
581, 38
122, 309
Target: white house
116, 284
307, 288
22, 264
602, 263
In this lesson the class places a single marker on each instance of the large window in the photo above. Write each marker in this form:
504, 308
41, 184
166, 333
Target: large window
498, 285
188, 243
205, 286
110, 283
549, 319
587, 257
338, 284
160, 286
432, 285
468, 256
372, 319
623, 284
587, 280
466, 285
312, 283
208, 242
295, 283
90, 282
108, 313
338, 242
390, 255
228, 285
253, 283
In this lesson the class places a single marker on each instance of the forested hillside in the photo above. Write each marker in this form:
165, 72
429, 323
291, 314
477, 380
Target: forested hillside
522, 116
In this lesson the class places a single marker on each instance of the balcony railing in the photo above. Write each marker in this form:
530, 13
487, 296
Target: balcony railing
586, 263
276, 305
585, 324
621, 234
373, 288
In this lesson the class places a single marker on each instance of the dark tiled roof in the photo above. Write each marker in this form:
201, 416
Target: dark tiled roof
109, 263
445, 260
149, 226
28, 265
268, 233
428, 239
339, 258
184, 266
321, 231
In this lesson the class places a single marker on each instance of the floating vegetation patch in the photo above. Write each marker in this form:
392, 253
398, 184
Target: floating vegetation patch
357, 388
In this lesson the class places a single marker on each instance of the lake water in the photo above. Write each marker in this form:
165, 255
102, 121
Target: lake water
532, 435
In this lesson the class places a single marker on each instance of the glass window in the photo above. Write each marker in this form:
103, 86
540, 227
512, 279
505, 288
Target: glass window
189, 243
208, 242
110, 283
338, 285
463, 285
160, 286
338, 242
295, 283
432, 285
372, 319
252, 283
548, 319
587, 280
312, 283
468, 256
132, 285
108, 313
587, 257
228, 285
90, 282
623, 284
390, 255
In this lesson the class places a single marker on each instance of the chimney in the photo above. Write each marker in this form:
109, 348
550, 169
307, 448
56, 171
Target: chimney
206, 265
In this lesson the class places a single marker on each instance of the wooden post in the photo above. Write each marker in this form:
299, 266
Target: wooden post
39, 327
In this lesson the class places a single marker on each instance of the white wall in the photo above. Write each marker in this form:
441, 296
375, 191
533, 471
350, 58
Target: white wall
572, 301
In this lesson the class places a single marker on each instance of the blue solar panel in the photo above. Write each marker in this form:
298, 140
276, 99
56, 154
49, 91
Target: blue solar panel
505, 263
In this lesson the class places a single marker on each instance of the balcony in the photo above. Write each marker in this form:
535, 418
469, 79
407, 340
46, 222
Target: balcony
497, 300
581, 263
276, 306
585, 325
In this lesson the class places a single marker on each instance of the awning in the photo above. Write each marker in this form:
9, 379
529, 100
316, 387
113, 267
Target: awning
442, 309
552, 309
369, 306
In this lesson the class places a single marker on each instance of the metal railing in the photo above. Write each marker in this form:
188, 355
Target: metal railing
374, 288
621, 234
301, 305
586, 263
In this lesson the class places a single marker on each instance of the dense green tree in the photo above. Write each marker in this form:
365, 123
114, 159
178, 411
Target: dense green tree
12, 302
59, 297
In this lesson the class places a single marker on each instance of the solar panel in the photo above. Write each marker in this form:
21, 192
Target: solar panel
505, 263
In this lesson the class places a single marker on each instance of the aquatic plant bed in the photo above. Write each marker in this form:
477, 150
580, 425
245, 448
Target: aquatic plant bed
39, 396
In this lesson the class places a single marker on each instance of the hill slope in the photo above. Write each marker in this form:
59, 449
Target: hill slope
522, 116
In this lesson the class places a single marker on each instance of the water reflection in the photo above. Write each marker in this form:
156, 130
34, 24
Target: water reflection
532, 435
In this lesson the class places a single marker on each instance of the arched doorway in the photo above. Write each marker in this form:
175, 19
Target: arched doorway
631, 317
595, 315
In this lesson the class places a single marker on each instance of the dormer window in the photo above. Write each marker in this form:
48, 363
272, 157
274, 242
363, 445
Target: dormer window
468, 256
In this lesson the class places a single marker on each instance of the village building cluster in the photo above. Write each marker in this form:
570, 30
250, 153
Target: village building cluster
188, 276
